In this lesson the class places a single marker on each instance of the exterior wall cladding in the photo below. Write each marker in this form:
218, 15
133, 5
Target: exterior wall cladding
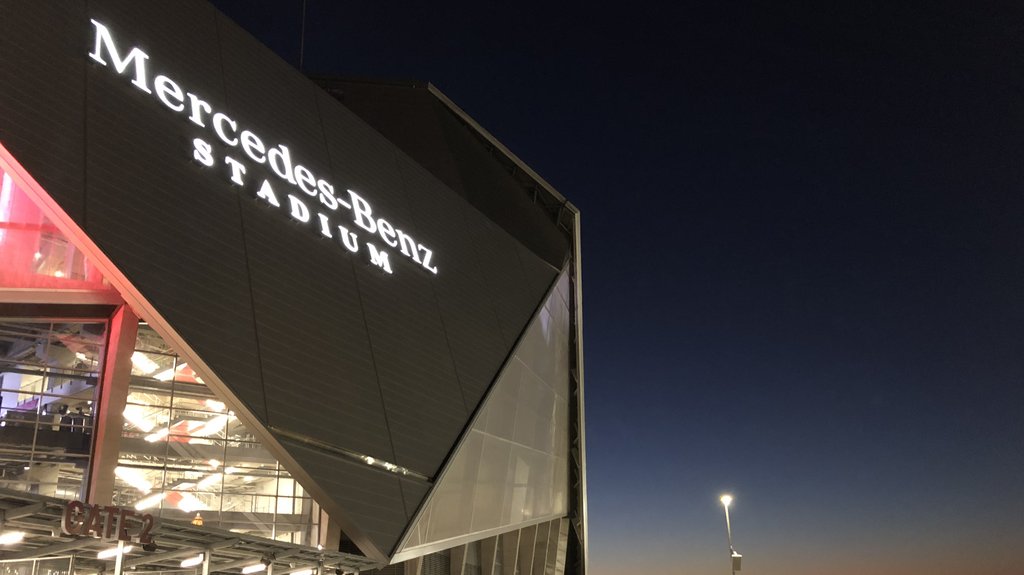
318, 346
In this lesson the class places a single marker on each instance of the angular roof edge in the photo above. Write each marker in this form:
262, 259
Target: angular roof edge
556, 196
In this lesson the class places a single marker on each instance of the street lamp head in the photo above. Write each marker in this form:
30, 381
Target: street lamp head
726, 500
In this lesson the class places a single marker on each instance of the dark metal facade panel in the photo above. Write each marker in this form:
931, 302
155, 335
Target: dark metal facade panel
330, 395
496, 249
424, 403
315, 341
371, 498
143, 209
413, 493
419, 124
42, 123
467, 305
407, 118
274, 100
425, 406
494, 191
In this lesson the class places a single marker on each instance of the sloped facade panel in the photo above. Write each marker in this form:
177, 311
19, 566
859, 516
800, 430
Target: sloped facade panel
376, 361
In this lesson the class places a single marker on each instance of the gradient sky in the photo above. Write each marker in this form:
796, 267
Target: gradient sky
803, 259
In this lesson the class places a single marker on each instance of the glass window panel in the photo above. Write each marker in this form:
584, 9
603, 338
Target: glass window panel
521, 473
489, 497
17, 568
203, 460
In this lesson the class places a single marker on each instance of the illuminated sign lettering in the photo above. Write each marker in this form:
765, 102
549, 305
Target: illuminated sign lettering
106, 522
316, 201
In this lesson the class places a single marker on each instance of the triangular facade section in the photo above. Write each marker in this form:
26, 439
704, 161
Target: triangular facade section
189, 450
510, 469
184, 454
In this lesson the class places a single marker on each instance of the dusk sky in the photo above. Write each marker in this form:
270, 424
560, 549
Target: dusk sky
803, 251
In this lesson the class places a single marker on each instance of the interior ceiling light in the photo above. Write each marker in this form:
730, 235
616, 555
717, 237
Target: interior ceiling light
114, 552
213, 426
142, 362
193, 561
167, 374
215, 405
303, 572
157, 435
136, 415
11, 537
133, 477
188, 503
255, 568
150, 501
209, 480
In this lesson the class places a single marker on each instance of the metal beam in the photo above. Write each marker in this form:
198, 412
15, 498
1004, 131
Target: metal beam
156, 558
509, 552
55, 549
244, 562
19, 512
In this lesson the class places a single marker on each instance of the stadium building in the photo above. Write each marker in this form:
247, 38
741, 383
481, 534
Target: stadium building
252, 322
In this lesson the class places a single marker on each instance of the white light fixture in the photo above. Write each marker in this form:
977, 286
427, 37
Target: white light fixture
142, 362
213, 426
303, 572
214, 463
193, 561
136, 415
209, 480
150, 501
11, 537
254, 568
165, 375
190, 503
157, 435
114, 552
216, 405
726, 500
133, 477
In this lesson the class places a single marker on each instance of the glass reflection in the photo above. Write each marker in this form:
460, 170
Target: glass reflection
184, 453
512, 468
48, 380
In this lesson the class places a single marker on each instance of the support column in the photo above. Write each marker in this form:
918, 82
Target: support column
119, 560
457, 556
413, 566
540, 548
554, 533
563, 542
330, 532
488, 556
509, 552
107, 417
527, 543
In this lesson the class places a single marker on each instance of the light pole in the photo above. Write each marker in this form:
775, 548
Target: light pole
733, 555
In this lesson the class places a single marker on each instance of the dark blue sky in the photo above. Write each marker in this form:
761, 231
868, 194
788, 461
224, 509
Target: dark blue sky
803, 259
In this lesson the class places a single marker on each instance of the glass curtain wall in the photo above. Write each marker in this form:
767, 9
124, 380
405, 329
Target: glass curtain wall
184, 455
48, 380
34, 253
512, 467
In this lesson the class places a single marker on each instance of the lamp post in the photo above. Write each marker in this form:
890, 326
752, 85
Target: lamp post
733, 555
